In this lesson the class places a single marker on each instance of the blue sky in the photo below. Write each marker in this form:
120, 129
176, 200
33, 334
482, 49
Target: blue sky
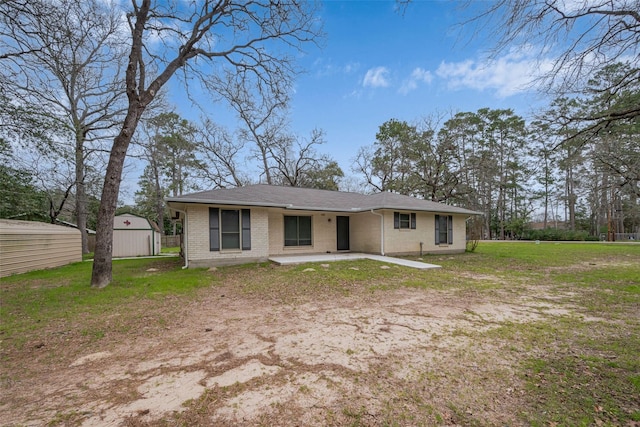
377, 63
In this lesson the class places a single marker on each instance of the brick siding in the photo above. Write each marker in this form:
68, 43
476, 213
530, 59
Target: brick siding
267, 235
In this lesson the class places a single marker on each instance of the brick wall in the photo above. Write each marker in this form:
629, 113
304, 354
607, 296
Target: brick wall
408, 241
198, 238
365, 234
267, 235
323, 233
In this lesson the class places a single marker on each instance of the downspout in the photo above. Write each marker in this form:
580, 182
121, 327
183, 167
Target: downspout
185, 240
381, 231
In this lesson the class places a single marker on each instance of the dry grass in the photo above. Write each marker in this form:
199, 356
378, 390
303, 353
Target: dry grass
512, 334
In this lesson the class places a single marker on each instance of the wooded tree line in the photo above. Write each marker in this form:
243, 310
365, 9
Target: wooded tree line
492, 162
516, 171
82, 80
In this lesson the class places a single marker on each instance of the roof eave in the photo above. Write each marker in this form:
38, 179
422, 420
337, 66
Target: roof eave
463, 212
290, 206
224, 202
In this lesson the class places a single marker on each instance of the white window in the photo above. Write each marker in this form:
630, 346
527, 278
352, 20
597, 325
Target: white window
229, 229
406, 221
297, 231
444, 229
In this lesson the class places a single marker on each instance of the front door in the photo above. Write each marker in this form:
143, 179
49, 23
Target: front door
342, 226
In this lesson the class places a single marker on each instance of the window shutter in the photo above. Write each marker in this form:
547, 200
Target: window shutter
450, 229
437, 229
214, 229
396, 220
246, 229
413, 220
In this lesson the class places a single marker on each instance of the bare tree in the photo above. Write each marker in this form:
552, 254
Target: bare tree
263, 119
14, 40
52, 173
363, 164
65, 58
583, 37
220, 154
205, 39
298, 164
151, 189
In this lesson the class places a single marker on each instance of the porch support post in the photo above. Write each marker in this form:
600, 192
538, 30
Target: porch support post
185, 239
381, 231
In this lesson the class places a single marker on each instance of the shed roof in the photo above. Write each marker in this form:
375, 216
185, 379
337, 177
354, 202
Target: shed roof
70, 224
298, 198
139, 221
14, 226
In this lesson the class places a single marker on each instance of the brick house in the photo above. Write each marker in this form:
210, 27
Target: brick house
252, 223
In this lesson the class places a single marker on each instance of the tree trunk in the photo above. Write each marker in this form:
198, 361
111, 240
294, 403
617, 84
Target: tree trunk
159, 206
546, 200
572, 199
604, 202
102, 272
500, 209
102, 269
81, 215
81, 193
265, 163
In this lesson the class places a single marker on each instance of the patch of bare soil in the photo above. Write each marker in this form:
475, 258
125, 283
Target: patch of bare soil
231, 359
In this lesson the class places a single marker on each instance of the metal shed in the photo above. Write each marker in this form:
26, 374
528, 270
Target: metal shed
30, 245
134, 235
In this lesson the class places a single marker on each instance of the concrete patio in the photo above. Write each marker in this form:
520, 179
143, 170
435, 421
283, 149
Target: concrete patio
301, 259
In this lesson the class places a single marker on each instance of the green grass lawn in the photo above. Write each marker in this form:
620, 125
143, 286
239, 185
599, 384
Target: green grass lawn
577, 372
47, 296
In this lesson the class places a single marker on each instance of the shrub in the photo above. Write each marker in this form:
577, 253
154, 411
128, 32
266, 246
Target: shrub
552, 234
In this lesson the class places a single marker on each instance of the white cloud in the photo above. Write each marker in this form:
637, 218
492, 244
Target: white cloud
355, 94
326, 68
418, 75
575, 6
351, 67
376, 77
513, 73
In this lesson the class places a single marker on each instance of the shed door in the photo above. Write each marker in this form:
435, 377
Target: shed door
342, 226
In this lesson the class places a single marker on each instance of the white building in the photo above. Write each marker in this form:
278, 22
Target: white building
134, 235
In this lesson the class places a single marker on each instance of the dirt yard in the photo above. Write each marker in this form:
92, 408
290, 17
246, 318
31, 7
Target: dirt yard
228, 357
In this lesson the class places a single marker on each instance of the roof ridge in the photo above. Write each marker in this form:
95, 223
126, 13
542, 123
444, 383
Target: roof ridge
303, 188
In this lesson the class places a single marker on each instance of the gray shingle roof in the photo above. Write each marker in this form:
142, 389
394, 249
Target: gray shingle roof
313, 199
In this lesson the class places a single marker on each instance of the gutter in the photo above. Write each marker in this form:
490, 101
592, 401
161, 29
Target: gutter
290, 206
287, 206
186, 239
381, 231
224, 202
